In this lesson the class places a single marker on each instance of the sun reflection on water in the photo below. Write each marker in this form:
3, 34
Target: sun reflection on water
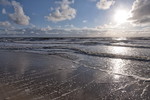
121, 38
119, 50
118, 65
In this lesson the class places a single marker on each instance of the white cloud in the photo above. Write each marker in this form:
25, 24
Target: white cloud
84, 21
4, 2
105, 4
107, 26
5, 24
141, 12
46, 28
32, 25
63, 12
146, 29
69, 25
19, 17
74, 32
114, 26
3, 11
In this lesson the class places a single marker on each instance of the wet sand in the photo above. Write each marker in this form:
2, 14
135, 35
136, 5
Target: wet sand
31, 76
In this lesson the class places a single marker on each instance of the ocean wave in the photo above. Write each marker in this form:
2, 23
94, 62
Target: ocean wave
139, 78
109, 55
119, 45
64, 49
129, 42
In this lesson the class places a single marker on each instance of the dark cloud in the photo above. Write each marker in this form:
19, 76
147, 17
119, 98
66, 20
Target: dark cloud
141, 12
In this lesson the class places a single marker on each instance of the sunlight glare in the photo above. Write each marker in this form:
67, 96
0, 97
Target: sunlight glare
119, 50
117, 67
120, 16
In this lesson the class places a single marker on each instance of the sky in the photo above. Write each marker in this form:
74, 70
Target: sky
75, 17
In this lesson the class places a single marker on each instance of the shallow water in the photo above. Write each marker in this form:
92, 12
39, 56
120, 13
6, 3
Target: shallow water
75, 68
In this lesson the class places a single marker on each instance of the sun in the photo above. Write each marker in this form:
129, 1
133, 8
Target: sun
120, 16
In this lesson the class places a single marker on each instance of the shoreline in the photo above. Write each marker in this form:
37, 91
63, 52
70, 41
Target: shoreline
32, 76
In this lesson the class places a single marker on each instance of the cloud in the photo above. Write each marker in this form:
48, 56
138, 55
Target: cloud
19, 17
5, 24
114, 26
69, 26
78, 32
73, 32
3, 11
140, 12
105, 4
106, 26
63, 12
53, 32
146, 29
4, 2
84, 21
46, 28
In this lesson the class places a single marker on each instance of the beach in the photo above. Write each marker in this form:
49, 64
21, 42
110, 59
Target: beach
74, 49
50, 70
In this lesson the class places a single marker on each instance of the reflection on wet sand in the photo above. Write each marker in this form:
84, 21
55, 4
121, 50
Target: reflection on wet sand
27, 76
118, 66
